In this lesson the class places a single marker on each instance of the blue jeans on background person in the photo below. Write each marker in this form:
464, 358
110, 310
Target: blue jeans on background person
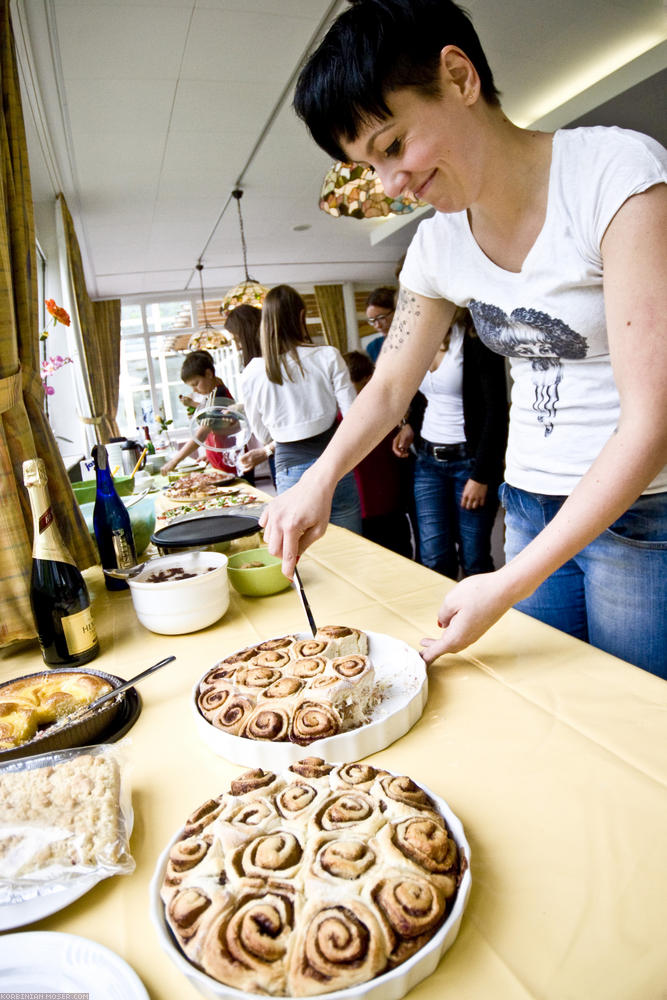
613, 593
346, 506
448, 533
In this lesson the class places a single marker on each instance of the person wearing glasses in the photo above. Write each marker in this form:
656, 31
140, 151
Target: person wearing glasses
379, 313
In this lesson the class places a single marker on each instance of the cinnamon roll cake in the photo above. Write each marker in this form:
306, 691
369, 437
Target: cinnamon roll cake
313, 880
291, 689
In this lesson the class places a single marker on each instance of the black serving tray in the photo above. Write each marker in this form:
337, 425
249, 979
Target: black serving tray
201, 531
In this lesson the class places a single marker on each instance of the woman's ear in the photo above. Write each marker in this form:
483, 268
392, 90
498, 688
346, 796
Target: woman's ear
457, 70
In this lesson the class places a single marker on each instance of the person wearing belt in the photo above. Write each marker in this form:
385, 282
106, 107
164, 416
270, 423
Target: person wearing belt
460, 452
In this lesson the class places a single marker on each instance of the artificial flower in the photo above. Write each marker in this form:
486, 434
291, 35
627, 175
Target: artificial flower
59, 314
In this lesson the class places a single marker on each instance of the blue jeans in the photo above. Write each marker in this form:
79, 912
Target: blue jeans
345, 508
613, 594
448, 533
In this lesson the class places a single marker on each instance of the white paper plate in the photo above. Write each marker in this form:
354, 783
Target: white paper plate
398, 668
391, 986
46, 963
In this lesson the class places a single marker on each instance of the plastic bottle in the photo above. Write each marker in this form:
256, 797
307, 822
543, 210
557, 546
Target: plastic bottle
111, 523
58, 594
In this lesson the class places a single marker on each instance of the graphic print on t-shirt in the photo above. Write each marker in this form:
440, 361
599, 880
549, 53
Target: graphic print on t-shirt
544, 340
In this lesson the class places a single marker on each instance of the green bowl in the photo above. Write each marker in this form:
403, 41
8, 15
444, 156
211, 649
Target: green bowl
85, 490
258, 581
142, 519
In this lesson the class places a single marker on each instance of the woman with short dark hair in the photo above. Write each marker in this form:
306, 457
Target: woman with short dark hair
557, 244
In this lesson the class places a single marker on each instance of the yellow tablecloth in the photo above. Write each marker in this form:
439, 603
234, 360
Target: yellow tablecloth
551, 753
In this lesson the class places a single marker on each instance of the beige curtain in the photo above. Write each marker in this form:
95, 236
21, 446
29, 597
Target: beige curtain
24, 429
331, 307
99, 329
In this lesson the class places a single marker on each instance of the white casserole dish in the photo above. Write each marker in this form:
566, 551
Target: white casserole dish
401, 673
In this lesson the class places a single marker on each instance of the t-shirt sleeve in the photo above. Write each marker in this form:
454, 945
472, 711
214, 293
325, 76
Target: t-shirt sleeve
342, 383
417, 272
628, 163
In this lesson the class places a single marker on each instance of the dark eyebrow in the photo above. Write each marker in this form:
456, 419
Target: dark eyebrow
371, 141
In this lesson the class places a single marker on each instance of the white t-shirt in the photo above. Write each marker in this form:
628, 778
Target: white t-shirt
300, 408
443, 389
549, 318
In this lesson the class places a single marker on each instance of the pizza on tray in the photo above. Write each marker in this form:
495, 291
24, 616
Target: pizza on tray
231, 498
199, 485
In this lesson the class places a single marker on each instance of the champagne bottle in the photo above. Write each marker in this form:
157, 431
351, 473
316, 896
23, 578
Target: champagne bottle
58, 595
150, 447
111, 522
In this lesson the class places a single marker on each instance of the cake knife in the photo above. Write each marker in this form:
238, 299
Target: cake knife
298, 586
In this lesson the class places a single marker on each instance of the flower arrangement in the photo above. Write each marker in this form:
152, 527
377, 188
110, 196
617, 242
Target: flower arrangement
59, 314
50, 366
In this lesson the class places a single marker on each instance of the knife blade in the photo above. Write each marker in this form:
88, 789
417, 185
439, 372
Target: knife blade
298, 586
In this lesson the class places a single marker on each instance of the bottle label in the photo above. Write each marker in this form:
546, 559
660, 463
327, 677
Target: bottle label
80, 631
45, 520
122, 549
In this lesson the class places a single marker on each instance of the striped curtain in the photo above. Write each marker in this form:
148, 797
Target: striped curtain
24, 429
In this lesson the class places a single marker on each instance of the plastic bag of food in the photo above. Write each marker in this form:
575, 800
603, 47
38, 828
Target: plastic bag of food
64, 816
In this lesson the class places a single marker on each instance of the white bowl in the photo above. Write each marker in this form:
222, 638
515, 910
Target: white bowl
175, 607
391, 985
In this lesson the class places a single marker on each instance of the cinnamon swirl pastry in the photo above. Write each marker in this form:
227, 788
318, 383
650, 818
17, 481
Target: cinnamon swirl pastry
343, 641
283, 642
314, 721
302, 884
284, 687
212, 699
255, 677
268, 721
247, 948
307, 667
402, 796
276, 658
413, 908
231, 716
202, 816
309, 647
338, 945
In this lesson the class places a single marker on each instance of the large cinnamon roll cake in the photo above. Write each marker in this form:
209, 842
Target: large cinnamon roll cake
313, 880
291, 689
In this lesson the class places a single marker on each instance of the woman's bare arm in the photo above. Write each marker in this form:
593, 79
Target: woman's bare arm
634, 252
298, 517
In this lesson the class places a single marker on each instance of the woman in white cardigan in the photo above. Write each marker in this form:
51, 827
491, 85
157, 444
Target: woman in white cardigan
292, 395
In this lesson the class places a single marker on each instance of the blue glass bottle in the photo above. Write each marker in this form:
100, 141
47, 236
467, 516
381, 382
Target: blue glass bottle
111, 523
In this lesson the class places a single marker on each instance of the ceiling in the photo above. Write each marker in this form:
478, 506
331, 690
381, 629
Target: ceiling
148, 114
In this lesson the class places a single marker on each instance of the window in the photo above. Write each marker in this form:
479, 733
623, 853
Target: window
154, 342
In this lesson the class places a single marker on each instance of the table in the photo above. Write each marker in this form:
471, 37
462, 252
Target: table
550, 752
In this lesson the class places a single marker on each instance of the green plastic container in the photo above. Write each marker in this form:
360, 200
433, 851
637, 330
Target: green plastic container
85, 490
258, 581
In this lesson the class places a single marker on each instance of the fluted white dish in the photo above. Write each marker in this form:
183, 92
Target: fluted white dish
389, 986
400, 674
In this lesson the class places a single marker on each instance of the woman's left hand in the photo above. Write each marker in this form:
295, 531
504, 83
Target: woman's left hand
474, 495
467, 611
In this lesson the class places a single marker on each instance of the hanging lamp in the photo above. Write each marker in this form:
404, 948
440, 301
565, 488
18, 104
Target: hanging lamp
208, 338
248, 292
353, 190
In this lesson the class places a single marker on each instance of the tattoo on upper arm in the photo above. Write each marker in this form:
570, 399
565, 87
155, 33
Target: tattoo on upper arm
407, 311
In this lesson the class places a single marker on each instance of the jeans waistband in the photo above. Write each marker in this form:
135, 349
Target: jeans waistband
444, 452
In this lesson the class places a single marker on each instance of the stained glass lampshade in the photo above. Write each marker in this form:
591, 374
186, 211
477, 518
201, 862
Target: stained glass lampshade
355, 191
208, 339
247, 293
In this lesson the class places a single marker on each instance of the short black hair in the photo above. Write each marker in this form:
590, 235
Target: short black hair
196, 363
373, 48
383, 297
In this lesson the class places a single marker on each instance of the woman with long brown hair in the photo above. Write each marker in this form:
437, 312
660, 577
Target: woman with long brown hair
292, 395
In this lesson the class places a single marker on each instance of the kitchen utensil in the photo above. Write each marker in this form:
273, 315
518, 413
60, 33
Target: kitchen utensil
139, 496
203, 531
298, 586
139, 460
82, 713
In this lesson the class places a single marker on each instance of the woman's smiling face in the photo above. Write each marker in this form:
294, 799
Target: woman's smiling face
427, 145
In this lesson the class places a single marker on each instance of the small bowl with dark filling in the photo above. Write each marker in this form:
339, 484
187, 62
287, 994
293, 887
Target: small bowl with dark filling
182, 592
256, 573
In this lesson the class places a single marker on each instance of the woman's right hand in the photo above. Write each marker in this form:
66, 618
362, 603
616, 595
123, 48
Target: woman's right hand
295, 519
401, 443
